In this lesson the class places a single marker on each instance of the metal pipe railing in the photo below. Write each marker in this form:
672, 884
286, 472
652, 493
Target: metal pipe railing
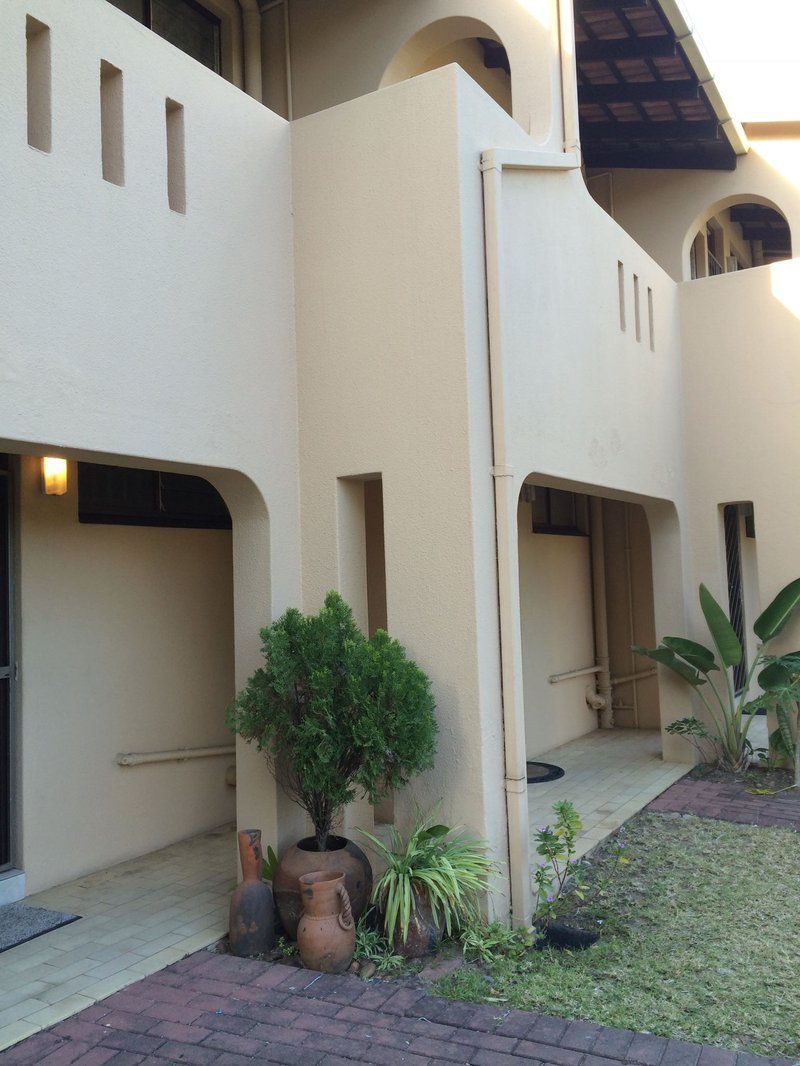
138, 758
584, 670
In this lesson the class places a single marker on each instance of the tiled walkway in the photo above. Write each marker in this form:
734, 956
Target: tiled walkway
136, 918
610, 775
232, 1012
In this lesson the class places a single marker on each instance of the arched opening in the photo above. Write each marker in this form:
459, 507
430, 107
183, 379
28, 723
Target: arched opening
592, 707
120, 653
736, 234
470, 43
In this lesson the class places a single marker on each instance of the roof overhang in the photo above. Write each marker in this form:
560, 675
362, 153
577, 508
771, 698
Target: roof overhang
646, 95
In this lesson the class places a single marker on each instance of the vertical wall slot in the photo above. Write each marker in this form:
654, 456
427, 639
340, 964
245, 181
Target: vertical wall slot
176, 157
37, 37
621, 286
637, 309
651, 319
112, 138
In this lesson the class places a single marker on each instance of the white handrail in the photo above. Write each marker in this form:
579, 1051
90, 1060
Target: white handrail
138, 758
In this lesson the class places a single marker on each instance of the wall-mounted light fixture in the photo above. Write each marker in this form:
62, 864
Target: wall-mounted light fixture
54, 476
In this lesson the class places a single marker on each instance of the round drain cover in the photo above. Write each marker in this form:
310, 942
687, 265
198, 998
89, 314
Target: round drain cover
539, 772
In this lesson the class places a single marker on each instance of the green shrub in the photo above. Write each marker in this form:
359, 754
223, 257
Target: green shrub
335, 714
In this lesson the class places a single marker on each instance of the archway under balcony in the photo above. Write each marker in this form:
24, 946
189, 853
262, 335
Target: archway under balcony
471, 43
736, 233
135, 588
599, 572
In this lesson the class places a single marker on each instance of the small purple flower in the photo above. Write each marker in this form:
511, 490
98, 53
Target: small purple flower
542, 829
549, 899
573, 862
620, 846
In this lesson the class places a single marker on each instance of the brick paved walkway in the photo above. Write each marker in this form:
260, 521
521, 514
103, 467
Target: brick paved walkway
730, 802
232, 1012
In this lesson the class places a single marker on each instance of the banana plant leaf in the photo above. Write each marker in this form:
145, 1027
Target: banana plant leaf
697, 655
771, 621
722, 632
775, 675
668, 658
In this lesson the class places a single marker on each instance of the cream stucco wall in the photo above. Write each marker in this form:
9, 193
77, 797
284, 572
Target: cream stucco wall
663, 210
745, 447
557, 635
392, 364
341, 51
145, 336
126, 644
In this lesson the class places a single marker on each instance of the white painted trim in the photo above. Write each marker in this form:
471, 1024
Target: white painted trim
12, 886
525, 159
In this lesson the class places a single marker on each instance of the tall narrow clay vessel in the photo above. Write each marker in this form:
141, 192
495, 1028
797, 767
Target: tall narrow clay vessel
326, 935
252, 921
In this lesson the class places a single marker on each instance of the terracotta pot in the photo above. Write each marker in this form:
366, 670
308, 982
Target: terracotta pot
326, 935
302, 858
424, 934
252, 919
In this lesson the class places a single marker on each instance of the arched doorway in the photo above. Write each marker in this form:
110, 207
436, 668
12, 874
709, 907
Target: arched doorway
469, 42
736, 234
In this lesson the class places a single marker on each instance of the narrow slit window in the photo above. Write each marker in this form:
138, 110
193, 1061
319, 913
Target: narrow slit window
637, 310
621, 286
176, 157
37, 38
112, 141
651, 322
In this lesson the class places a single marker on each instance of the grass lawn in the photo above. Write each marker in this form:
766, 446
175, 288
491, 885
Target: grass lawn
701, 940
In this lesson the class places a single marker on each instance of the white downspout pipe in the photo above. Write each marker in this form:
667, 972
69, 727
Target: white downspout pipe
569, 78
506, 494
505, 506
600, 613
251, 44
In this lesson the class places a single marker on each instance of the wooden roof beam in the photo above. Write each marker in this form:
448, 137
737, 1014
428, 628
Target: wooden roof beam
641, 91
583, 7
626, 48
702, 129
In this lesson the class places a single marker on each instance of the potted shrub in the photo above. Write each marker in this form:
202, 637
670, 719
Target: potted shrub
431, 885
335, 715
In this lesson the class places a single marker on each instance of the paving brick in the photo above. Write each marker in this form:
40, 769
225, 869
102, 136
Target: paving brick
613, 1043
186, 1034
647, 1049
519, 1024
226, 1023
294, 1056
547, 1029
717, 1056
559, 1056
176, 1051
138, 1043
681, 1053
133, 1023
31, 1050
492, 1058
65, 1054
442, 1049
238, 1045
580, 1036
172, 1012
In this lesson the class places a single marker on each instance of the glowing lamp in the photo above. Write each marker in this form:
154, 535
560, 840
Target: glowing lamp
54, 476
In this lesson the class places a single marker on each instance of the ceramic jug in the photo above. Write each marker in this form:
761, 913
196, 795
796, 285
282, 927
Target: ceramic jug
252, 919
326, 934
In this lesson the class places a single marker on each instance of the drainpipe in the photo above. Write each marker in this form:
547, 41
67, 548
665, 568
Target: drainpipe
602, 659
569, 79
251, 42
505, 508
505, 502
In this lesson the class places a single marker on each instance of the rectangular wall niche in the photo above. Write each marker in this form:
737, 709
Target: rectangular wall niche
112, 124
362, 567
176, 157
37, 38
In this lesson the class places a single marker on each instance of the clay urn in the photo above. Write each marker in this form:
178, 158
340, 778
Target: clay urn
252, 919
326, 935
342, 855
424, 934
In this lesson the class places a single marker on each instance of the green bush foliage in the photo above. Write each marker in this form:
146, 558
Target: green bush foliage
336, 714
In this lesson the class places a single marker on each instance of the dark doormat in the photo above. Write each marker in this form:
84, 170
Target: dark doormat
539, 772
20, 923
